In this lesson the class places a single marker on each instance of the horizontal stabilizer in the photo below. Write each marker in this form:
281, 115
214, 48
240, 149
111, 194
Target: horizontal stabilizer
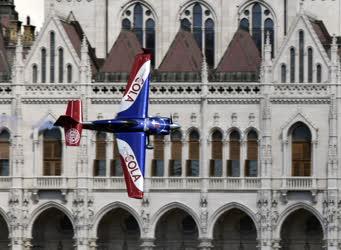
65, 120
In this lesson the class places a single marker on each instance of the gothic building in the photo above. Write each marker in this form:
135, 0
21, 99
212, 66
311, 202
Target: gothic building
255, 165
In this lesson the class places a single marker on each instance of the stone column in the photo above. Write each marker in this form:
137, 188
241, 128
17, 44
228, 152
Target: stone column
92, 244
147, 244
205, 244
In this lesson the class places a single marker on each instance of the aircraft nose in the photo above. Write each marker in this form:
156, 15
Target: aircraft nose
174, 126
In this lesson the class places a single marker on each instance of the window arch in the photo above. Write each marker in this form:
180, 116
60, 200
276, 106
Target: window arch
261, 20
292, 65
216, 162
34, 73
301, 55
192, 168
61, 65
175, 163
141, 20
115, 164
301, 150
69, 73
52, 55
198, 19
251, 162
310, 65
233, 164
43, 65
52, 152
4, 152
283, 73
158, 158
318, 73
101, 154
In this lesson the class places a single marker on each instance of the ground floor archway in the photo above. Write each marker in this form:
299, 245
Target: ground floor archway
301, 230
176, 230
52, 230
4, 234
235, 230
118, 230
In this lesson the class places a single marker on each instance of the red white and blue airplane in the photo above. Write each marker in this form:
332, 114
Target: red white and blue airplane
132, 126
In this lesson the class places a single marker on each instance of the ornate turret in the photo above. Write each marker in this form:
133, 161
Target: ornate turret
28, 36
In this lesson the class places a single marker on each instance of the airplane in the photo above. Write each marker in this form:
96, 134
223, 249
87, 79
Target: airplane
132, 126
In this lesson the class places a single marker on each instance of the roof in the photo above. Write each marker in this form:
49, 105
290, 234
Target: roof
321, 32
4, 67
241, 55
183, 55
75, 33
122, 53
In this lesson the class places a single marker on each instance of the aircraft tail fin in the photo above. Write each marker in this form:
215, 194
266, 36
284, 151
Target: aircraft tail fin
72, 123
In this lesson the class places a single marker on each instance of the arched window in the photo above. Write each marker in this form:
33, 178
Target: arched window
259, 18
61, 65
244, 24
301, 56
101, 154
310, 65
4, 152
43, 65
216, 162
175, 166
115, 164
301, 150
69, 73
192, 168
318, 73
198, 19
150, 37
52, 152
269, 29
209, 41
126, 24
251, 161
283, 73
34, 73
292, 65
158, 159
140, 19
233, 164
52, 55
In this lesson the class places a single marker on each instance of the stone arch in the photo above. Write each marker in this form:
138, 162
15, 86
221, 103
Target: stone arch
128, 4
112, 206
168, 207
225, 208
247, 131
5, 225
41, 209
188, 132
5, 128
291, 209
232, 129
187, 3
213, 129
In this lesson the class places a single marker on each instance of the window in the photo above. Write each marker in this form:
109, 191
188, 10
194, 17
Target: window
34, 73
251, 161
140, 19
283, 73
301, 55
158, 160
292, 65
233, 164
301, 150
115, 164
61, 65
52, 55
261, 20
69, 73
101, 154
318, 73
310, 65
175, 165
198, 19
4, 152
192, 168
43, 65
52, 152
216, 162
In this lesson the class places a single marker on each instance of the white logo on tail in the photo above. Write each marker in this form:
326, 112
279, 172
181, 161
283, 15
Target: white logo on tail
72, 136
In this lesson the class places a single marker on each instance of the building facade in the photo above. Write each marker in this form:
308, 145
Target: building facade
255, 86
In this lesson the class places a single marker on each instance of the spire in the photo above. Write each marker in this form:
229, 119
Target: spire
266, 68
18, 64
204, 70
334, 60
301, 10
85, 62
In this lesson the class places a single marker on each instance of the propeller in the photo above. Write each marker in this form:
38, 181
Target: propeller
173, 126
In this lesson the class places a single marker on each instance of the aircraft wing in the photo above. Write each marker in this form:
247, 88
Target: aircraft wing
132, 149
135, 100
